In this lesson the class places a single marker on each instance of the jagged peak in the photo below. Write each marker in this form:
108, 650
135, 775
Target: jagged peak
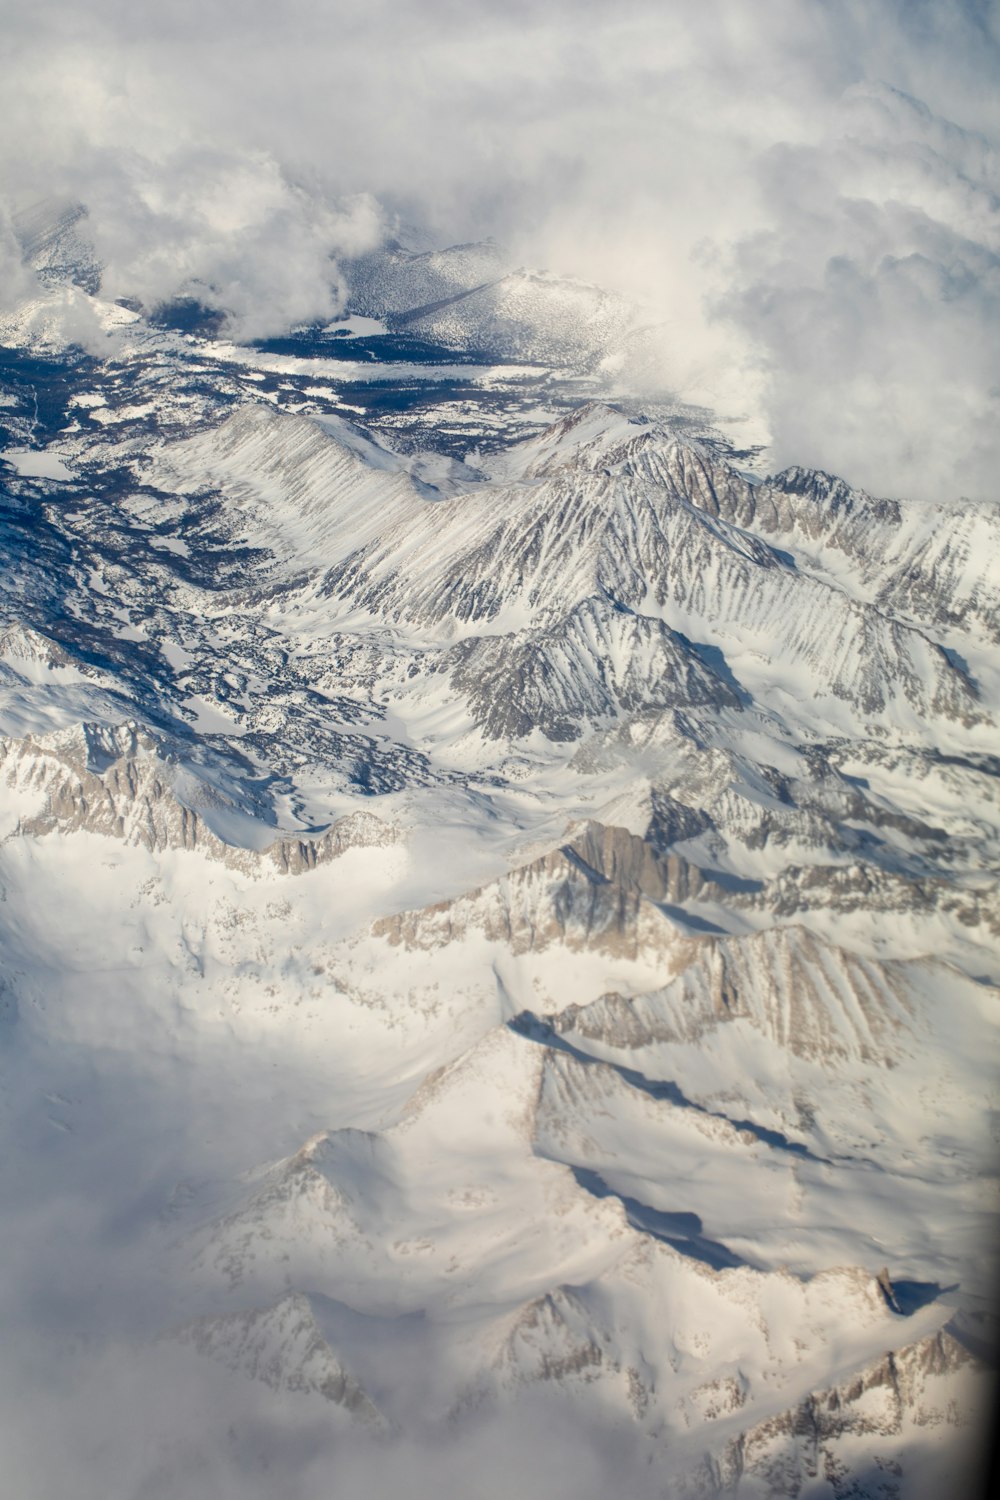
593, 433
818, 1000
283, 1346
127, 781
831, 492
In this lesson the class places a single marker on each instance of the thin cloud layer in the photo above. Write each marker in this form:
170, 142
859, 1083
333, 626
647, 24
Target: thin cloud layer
805, 196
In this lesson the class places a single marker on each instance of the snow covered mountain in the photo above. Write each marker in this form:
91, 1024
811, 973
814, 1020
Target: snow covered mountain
501, 938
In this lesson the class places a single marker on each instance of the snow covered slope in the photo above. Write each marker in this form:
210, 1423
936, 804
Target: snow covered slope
501, 938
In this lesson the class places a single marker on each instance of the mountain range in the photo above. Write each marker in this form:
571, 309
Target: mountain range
501, 937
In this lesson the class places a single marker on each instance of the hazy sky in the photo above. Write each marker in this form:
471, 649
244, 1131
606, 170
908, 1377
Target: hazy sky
806, 193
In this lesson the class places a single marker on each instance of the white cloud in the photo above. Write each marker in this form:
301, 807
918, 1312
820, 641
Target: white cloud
871, 300
16, 281
819, 247
234, 230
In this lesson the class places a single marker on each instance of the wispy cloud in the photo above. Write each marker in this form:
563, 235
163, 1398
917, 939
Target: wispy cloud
780, 182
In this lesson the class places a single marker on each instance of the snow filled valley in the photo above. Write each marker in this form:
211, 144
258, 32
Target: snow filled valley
500, 930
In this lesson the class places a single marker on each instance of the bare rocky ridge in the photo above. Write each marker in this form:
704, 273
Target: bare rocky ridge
614, 890
812, 999
600, 663
125, 784
905, 1390
283, 1347
563, 898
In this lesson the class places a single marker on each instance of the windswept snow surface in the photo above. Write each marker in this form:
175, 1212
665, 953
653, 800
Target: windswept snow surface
499, 922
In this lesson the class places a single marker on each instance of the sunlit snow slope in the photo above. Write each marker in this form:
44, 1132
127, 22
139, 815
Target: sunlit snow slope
499, 914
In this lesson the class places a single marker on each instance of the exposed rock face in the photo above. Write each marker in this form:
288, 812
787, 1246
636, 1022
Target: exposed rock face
283, 1347
550, 1340
807, 997
124, 783
818, 1441
600, 891
598, 663
359, 830
608, 888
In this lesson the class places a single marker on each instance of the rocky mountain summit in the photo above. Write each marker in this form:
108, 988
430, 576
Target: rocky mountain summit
500, 919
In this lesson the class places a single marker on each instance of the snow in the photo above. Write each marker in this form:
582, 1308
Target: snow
209, 718
518, 950
173, 544
42, 464
356, 327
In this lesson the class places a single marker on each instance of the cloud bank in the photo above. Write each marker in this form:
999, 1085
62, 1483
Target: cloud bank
806, 195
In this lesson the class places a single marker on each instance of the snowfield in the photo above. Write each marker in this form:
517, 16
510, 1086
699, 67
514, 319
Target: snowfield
500, 931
